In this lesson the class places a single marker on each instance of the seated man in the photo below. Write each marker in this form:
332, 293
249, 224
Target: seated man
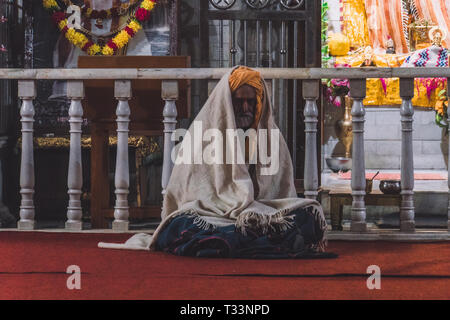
235, 210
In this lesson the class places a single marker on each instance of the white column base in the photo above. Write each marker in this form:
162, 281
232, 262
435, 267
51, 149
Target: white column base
408, 226
120, 226
358, 227
74, 225
25, 225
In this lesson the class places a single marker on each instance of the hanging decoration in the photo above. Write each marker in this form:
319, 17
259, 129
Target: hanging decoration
85, 41
355, 26
2, 46
324, 34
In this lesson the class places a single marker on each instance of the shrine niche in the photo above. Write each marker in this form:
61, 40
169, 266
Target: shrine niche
390, 34
385, 34
47, 47
107, 28
110, 27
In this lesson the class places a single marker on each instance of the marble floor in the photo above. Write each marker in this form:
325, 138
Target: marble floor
331, 181
431, 205
430, 201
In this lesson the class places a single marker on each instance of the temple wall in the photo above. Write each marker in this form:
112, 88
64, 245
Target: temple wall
383, 139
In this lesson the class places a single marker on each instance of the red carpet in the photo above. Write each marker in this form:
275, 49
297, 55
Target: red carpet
394, 176
33, 266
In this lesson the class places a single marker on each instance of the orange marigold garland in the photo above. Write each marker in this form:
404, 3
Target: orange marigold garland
121, 39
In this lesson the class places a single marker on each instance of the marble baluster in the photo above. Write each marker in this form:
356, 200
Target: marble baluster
122, 92
358, 93
169, 93
407, 223
27, 92
75, 92
311, 113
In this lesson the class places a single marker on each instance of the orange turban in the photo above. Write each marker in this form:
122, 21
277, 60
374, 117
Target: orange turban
245, 75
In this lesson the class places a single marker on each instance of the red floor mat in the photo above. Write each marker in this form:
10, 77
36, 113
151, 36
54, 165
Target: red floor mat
33, 266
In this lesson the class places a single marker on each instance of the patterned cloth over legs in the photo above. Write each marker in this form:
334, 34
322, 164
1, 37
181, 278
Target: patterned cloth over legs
185, 236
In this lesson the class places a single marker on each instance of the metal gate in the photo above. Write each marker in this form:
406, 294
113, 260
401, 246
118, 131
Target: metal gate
11, 48
12, 31
266, 33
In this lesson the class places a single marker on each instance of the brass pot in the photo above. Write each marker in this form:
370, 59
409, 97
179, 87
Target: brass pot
369, 186
390, 186
344, 127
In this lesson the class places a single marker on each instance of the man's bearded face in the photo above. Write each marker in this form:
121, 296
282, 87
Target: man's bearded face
244, 105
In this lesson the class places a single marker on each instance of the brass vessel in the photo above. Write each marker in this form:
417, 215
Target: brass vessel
419, 35
344, 127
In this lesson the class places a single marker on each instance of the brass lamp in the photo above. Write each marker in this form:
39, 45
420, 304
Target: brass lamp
344, 129
419, 35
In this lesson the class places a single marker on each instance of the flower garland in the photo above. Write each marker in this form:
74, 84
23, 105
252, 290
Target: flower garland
120, 40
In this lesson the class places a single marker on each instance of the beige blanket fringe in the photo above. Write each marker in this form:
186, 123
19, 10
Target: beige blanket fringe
223, 194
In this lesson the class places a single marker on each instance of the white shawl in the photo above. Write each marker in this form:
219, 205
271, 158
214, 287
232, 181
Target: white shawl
223, 194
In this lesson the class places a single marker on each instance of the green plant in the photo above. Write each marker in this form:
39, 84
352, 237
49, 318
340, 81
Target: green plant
324, 34
441, 109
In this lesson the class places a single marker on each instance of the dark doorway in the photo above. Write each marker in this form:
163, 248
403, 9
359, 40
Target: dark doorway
270, 34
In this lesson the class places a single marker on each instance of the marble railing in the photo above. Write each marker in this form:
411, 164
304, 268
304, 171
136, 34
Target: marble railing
311, 84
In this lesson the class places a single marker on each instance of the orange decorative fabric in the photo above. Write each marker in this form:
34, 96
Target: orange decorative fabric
355, 23
244, 75
386, 92
437, 11
385, 18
